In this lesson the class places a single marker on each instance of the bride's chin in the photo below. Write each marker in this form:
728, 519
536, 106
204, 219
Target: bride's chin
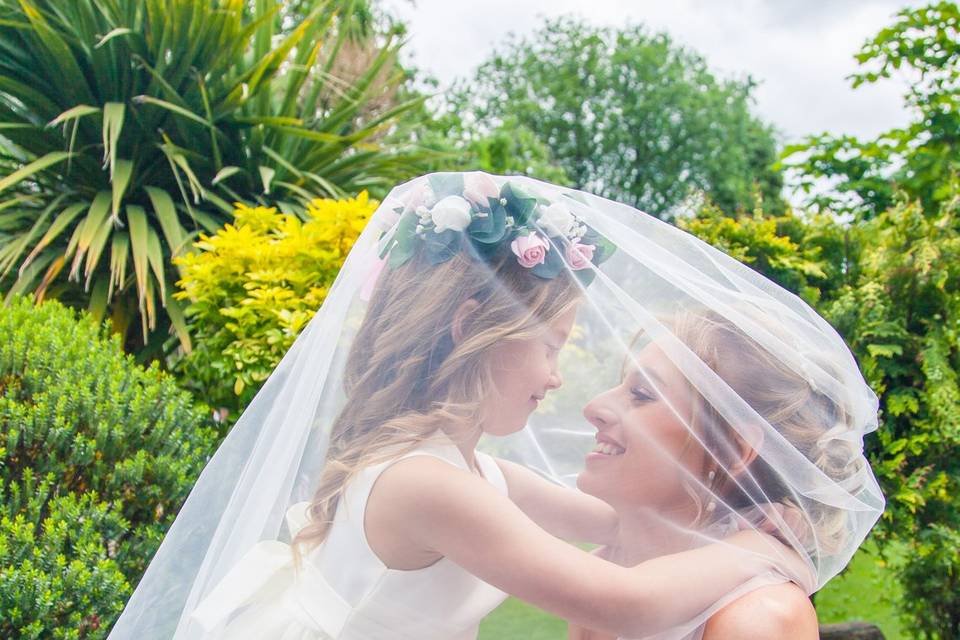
588, 483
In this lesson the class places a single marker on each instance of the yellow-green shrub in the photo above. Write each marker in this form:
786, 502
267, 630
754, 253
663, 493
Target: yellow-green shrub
254, 285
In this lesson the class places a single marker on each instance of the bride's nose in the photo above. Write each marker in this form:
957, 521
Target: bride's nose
599, 415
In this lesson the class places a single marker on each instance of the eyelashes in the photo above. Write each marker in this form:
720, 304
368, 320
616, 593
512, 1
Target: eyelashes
640, 395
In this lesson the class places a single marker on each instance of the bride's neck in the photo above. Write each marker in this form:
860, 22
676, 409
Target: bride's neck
646, 533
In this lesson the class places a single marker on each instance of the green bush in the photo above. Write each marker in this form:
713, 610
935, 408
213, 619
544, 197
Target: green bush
254, 285
75, 408
901, 317
57, 577
932, 577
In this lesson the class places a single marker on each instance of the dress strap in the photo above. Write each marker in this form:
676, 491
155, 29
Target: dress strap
492, 472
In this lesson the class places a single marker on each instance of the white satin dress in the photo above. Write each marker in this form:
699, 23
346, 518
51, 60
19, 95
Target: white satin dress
342, 590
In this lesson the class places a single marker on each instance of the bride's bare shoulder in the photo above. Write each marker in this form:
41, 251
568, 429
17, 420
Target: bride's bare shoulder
777, 611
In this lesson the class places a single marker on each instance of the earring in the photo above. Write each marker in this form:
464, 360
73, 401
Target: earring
712, 505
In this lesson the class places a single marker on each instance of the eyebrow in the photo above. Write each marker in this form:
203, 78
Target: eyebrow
646, 373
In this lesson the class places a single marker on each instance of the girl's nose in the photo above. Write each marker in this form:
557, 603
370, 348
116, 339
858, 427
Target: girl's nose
555, 381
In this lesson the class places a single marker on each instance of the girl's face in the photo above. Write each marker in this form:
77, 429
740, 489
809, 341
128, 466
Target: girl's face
642, 435
524, 372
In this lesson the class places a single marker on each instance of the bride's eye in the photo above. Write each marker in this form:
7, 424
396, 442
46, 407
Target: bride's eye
640, 395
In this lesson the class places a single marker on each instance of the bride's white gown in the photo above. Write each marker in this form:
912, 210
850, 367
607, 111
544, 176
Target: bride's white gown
343, 591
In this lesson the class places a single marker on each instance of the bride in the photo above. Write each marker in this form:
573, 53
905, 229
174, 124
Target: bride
408, 463
656, 416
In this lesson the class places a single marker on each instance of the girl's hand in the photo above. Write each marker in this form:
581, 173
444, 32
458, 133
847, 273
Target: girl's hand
768, 550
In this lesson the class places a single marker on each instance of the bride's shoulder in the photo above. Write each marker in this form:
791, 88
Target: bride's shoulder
775, 611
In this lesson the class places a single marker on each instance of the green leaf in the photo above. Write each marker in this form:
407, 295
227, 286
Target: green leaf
884, 350
166, 213
266, 176
446, 184
137, 223
36, 166
442, 246
119, 31
404, 240
74, 113
552, 265
489, 229
113, 116
223, 174
120, 180
519, 203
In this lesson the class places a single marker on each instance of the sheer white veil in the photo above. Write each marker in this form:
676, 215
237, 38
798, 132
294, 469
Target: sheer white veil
763, 407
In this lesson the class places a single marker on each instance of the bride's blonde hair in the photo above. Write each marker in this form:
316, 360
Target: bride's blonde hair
805, 416
405, 376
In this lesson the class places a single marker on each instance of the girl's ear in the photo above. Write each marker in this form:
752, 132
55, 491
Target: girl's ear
459, 316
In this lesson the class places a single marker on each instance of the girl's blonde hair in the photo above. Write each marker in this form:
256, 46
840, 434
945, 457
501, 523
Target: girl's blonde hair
405, 376
807, 418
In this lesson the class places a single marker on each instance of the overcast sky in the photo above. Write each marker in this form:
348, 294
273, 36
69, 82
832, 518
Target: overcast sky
800, 51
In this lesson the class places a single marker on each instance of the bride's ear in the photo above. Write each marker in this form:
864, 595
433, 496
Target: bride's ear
748, 440
459, 316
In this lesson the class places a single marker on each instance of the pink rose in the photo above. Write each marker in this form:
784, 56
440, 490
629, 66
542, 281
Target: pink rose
418, 195
530, 250
579, 255
478, 188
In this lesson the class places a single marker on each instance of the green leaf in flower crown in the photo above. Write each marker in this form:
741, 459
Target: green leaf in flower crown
489, 229
604, 248
446, 184
404, 241
586, 276
442, 246
551, 266
520, 204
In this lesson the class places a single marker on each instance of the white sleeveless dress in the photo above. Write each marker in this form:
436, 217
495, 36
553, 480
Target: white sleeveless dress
342, 590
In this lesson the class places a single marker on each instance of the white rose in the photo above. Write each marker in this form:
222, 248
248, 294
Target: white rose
452, 212
556, 219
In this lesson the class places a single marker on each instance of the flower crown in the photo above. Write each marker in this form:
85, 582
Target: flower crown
441, 213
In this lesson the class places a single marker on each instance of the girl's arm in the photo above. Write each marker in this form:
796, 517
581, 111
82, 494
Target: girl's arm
566, 513
431, 508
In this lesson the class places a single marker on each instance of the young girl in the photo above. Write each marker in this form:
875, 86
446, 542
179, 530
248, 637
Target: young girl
411, 532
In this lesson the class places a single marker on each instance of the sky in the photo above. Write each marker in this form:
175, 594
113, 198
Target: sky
799, 51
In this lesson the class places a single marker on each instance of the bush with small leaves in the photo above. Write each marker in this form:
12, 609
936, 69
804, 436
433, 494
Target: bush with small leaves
74, 407
57, 575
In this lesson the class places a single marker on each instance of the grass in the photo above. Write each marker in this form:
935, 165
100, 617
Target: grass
866, 591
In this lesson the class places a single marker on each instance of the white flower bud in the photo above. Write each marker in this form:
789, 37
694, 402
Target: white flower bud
556, 219
453, 212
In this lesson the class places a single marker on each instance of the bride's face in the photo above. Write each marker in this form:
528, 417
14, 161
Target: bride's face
642, 433
524, 372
